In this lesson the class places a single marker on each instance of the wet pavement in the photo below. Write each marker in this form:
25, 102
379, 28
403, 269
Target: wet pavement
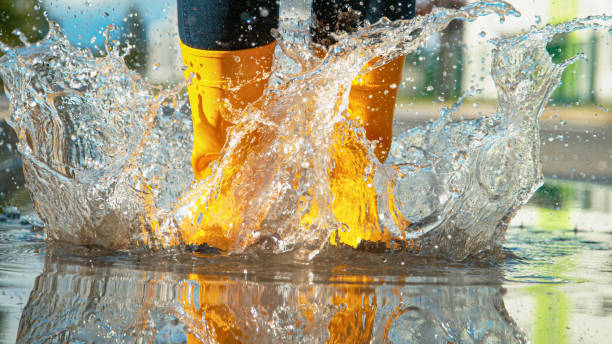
553, 287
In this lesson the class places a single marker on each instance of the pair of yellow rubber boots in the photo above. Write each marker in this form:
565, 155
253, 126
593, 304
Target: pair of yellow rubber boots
211, 74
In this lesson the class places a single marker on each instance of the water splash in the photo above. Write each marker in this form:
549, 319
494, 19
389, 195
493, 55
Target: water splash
106, 156
86, 126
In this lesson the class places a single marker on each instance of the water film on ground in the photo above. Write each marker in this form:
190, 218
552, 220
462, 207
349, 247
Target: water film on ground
98, 192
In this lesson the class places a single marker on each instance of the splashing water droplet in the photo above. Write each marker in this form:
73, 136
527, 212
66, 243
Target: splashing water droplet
22, 37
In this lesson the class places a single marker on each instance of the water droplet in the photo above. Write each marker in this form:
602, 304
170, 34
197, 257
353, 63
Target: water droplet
237, 59
563, 122
429, 88
538, 20
156, 66
482, 34
264, 12
393, 86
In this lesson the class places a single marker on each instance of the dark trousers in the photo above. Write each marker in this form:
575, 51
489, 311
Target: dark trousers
243, 24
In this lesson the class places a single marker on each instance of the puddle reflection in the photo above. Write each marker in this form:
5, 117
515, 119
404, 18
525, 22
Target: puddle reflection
81, 301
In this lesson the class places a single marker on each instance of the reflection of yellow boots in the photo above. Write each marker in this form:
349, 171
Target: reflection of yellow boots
209, 314
211, 75
220, 310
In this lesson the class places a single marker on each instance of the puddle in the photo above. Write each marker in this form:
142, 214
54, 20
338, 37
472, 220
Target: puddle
549, 281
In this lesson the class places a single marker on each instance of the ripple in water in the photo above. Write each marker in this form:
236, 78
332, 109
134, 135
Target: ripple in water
324, 302
106, 155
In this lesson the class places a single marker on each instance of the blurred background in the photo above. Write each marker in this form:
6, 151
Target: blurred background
574, 204
454, 61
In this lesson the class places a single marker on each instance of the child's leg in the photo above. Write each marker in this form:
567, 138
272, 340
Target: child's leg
225, 43
372, 96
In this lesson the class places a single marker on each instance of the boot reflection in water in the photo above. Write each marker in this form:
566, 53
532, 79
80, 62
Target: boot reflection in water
216, 310
228, 50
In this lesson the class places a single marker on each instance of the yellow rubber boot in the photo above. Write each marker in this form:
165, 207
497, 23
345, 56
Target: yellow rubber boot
372, 100
211, 74
217, 79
